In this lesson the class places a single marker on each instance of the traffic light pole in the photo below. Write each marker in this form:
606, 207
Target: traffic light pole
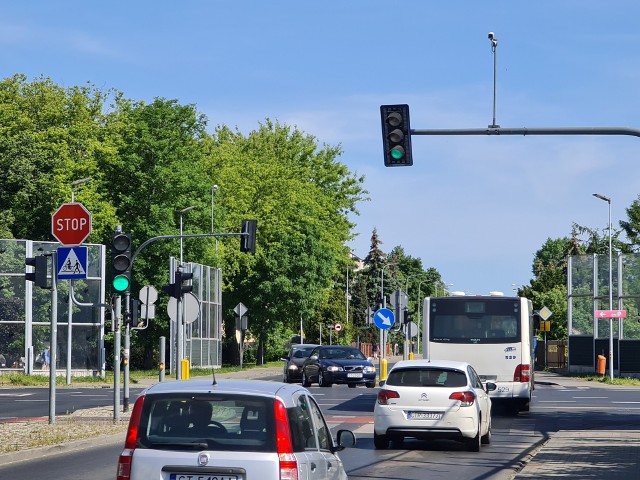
53, 341
635, 132
170, 237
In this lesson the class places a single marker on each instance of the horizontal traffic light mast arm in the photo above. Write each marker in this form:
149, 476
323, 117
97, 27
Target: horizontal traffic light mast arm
191, 235
634, 132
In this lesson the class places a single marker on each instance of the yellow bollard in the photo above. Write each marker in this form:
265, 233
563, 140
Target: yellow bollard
185, 369
383, 369
410, 355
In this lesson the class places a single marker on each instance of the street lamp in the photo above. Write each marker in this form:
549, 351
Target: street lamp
214, 189
608, 200
182, 212
383, 343
444, 287
76, 183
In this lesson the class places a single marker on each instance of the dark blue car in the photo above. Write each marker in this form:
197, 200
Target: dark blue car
329, 364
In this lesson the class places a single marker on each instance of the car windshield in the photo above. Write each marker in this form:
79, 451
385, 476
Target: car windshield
214, 422
302, 352
426, 377
342, 354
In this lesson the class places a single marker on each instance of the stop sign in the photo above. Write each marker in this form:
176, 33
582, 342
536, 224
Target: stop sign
71, 224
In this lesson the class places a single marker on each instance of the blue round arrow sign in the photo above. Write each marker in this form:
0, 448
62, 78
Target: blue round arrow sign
384, 319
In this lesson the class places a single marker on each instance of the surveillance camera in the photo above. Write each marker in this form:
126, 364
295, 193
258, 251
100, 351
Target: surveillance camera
490, 36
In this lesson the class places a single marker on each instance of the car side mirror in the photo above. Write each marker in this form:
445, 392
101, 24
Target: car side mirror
370, 359
313, 357
344, 439
490, 387
286, 358
382, 382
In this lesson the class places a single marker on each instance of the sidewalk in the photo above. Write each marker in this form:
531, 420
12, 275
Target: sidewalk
590, 454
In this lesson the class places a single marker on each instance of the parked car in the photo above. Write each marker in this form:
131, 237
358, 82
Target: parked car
329, 364
231, 430
428, 399
293, 360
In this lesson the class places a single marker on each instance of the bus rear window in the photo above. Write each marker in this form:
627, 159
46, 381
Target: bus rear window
489, 321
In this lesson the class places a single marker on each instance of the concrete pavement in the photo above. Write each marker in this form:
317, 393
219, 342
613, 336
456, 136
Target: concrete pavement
611, 454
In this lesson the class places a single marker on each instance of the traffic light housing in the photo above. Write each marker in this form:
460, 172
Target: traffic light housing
172, 289
39, 273
396, 135
121, 262
136, 318
181, 278
178, 288
248, 237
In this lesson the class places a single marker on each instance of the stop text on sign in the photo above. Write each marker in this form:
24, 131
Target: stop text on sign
65, 224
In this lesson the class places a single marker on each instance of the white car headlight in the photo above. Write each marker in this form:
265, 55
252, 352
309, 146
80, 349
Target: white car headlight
293, 367
333, 368
369, 369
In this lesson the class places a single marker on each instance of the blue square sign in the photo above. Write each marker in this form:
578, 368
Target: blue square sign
72, 263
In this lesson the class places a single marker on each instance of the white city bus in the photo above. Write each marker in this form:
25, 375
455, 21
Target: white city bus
493, 333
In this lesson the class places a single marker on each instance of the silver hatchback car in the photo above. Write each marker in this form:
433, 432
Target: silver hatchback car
230, 430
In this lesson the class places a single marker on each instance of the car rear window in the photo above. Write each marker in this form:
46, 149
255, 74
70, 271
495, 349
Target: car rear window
215, 422
427, 377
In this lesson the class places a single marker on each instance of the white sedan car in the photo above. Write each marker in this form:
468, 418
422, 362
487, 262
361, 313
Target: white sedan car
230, 430
428, 399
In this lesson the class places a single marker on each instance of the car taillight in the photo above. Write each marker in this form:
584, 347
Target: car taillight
466, 398
284, 447
124, 462
385, 395
522, 373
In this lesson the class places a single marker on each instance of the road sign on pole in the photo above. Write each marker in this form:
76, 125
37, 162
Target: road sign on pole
72, 263
611, 314
384, 319
71, 224
337, 327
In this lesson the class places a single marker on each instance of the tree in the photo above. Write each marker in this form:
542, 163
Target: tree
301, 195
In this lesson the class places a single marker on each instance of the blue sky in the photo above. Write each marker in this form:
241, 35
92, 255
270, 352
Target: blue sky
476, 208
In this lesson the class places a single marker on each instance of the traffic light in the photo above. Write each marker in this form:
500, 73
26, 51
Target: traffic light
177, 288
136, 318
248, 237
121, 262
396, 135
182, 277
39, 274
173, 289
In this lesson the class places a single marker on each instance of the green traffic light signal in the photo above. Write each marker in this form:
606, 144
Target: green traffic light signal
397, 152
120, 283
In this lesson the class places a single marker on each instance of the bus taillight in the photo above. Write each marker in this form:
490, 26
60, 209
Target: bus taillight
522, 373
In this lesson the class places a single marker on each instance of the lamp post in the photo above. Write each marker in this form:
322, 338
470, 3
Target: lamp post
444, 287
70, 312
75, 184
214, 189
182, 212
384, 305
608, 200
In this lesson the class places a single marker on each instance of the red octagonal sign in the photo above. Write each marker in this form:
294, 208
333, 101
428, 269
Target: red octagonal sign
71, 224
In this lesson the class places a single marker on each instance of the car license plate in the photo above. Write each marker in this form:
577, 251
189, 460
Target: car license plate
191, 476
424, 415
354, 375
503, 390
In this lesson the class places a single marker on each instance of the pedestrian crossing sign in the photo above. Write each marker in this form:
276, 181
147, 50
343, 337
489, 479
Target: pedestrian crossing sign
72, 263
